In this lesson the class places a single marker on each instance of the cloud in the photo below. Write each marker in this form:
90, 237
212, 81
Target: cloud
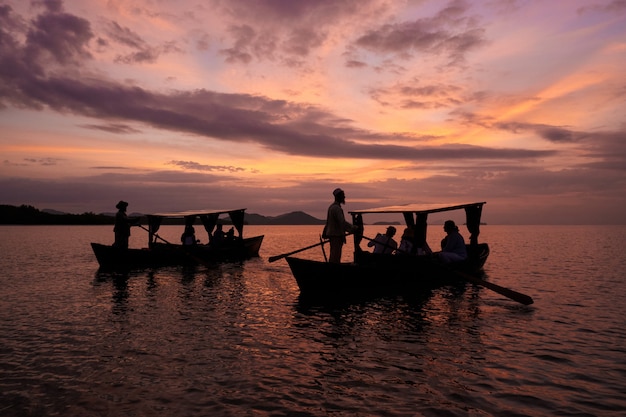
450, 31
141, 51
612, 7
59, 36
195, 166
43, 161
284, 31
417, 95
287, 127
116, 128
555, 134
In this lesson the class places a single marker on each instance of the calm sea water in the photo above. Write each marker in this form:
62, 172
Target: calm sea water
236, 340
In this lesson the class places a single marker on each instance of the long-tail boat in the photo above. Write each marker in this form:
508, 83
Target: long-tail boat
381, 273
160, 252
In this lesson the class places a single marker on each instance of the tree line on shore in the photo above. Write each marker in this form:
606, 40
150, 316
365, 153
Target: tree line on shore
29, 215
25, 214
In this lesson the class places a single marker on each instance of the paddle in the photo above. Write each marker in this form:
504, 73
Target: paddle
323, 250
192, 256
284, 255
513, 295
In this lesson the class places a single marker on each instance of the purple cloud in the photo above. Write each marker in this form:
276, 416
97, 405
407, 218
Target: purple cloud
448, 32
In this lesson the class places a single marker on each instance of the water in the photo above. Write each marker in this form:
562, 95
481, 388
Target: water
235, 340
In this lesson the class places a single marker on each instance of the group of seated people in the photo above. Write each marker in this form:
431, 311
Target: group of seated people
452, 246
189, 235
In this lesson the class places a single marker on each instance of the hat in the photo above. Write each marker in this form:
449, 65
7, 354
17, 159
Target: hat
337, 192
121, 204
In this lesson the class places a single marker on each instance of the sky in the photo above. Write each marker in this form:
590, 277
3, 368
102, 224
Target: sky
270, 105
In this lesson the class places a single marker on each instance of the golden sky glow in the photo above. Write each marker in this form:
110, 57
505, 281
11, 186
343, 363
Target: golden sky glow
270, 105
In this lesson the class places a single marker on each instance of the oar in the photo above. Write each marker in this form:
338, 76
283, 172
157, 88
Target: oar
191, 255
513, 295
284, 255
323, 250
384, 244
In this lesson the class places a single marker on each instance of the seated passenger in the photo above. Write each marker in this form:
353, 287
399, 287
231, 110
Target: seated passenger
218, 236
189, 236
406, 242
384, 243
453, 245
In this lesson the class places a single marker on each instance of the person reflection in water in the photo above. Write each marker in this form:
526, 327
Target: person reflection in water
122, 225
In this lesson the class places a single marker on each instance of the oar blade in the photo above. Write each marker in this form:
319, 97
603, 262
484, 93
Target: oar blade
513, 295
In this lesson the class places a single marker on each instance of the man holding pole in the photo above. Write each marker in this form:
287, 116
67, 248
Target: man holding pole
337, 226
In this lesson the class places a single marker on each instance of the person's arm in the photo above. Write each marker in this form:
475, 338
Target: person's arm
373, 242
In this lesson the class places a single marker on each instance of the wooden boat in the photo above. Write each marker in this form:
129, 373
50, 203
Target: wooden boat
160, 252
393, 273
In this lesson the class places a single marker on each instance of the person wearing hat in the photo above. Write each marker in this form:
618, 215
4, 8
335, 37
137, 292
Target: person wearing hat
337, 226
122, 225
453, 245
384, 243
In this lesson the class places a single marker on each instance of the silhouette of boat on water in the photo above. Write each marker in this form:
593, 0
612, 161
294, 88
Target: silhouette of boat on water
393, 273
226, 247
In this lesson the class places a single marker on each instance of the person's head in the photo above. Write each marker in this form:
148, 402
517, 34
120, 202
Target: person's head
408, 233
121, 205
340, 196
449, 226
391, 231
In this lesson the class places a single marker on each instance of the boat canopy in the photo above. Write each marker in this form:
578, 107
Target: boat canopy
207, 217
416, 215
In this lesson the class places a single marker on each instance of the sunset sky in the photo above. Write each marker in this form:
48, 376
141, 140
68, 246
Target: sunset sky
271, 104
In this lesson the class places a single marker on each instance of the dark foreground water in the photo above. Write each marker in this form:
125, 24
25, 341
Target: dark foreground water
235, 340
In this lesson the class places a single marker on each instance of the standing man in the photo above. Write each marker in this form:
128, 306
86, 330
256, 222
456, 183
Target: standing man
337, 226
122, 225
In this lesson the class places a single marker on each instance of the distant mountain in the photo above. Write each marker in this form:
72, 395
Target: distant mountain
293, 218
52, 211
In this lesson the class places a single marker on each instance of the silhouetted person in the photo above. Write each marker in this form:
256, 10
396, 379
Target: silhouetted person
218, 235
453, 245
337, 226
406, 242
384, 243
189, 236
122, 225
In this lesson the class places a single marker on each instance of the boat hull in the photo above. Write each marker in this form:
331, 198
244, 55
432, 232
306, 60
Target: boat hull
381, 274
161, 254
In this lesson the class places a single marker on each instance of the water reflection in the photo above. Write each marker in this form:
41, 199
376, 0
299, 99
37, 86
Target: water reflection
120, 293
